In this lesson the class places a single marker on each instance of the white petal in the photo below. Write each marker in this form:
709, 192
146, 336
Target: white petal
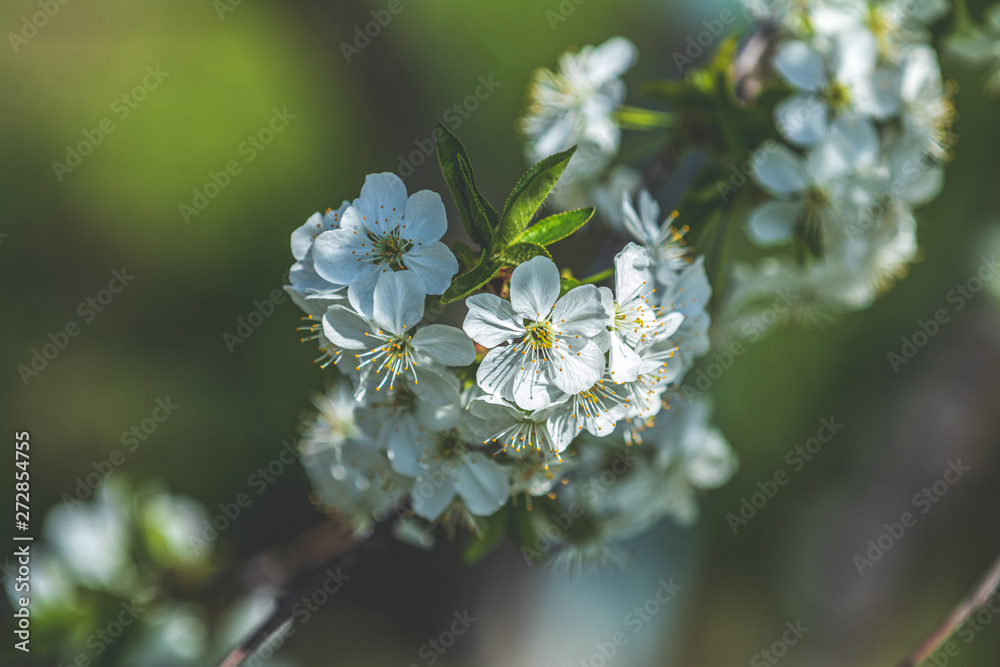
632, 276
404, 443
578, 369
612, 59
855, 55
345, 328
436, 384
434, 264
398, 302
361, 291
445, 345
339, 254
302, 238
482, 484
534, 287
432, 492
491, 320
631, 220
623, 361
496, 372
780, 171
802, 119
857, 139
581, 312
800, 65
382, 202
426, 220
532, 387
773, 222
669, 324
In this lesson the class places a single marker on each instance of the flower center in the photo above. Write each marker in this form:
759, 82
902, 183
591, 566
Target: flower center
393, 357
540, 335
837, 96
390, 249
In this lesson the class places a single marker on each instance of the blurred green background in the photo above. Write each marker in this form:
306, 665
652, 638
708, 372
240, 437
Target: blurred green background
226, 72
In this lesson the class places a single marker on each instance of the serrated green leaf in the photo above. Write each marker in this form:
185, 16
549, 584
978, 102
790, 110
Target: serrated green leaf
529, 193
469, 282
555, 227
519, 253
478, 216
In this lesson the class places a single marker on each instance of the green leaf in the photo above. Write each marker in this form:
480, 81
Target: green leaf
529, 194
479, 218
467, 257
495, 528
519, 253
469, 282
555, 227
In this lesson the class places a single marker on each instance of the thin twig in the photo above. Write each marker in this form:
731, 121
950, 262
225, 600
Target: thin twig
283, 613
986, 588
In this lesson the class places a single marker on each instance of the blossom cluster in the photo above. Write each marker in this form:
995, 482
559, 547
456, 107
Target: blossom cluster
123, 568
868, 132
446, 424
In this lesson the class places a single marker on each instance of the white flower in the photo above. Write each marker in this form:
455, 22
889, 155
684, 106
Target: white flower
927, 113
384, 231
396, 425
451, 467
634, 323
659, 367
305, 282
682, 455
94, 539
893, 24
350, 476
664, 243
172, 526
576, 105
596, 410
844, 85
548, 347
386, 348
689, 294
518, 431
813, 195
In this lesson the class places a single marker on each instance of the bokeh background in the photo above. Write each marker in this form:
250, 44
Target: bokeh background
228, 67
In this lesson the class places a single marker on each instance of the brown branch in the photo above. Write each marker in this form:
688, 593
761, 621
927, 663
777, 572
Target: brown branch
986, 588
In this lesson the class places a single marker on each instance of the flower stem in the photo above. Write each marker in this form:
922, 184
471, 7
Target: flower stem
599, 276
986, 588
636, 118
